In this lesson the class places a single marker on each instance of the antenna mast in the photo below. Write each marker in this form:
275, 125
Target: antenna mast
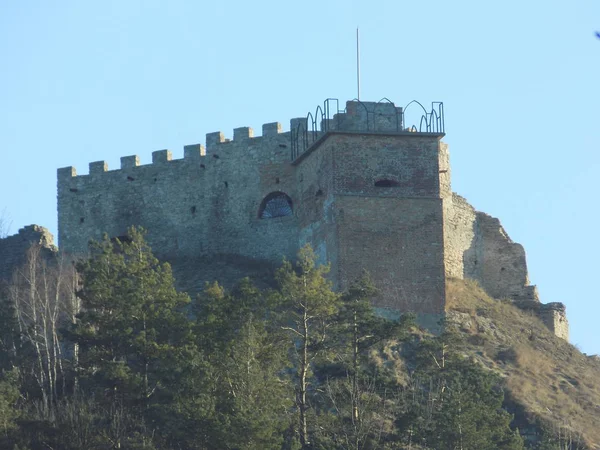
357, 64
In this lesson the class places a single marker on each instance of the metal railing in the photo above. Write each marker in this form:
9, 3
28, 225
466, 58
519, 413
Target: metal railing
329, 117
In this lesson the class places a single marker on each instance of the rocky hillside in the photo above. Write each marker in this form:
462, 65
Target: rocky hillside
550, 382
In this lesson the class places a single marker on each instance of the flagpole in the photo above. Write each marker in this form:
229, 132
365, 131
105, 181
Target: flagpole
357, 65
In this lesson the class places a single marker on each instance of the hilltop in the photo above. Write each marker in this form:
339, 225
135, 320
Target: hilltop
549, 381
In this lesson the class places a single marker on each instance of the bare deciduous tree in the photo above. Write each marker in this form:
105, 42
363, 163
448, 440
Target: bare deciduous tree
310, 307
43, 296
567, 438
5, 223
367, 429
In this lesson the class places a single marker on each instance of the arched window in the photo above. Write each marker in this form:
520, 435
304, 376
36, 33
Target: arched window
386, 182
276, 204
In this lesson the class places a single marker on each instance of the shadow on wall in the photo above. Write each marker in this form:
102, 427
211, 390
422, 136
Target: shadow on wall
191, 275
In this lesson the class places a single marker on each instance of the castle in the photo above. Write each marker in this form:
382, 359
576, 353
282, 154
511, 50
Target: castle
365, 189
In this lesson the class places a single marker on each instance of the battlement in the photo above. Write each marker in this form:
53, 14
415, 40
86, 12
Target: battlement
192, 153
381, 117
221, 175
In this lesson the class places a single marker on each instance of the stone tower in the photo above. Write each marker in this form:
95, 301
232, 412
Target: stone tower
372, 198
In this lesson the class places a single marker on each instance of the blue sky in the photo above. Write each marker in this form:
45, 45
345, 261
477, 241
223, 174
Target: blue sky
87, 81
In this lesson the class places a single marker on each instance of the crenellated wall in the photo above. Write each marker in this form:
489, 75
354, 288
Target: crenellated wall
205, 203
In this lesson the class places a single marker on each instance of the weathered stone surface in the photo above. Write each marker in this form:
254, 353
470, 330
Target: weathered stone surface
394, 232
478, 247
553, 315
13, 249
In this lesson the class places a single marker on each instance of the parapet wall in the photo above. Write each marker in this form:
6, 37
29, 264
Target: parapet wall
13, 249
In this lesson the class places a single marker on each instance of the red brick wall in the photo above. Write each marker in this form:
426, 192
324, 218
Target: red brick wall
395, 233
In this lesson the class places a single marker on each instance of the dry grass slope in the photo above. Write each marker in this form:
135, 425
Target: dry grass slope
549, 377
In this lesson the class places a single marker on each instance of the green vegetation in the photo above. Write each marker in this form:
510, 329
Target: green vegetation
554, 389
117, 358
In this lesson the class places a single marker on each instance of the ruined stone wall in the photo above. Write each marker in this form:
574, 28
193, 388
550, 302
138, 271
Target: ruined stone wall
477, 247
554, 315
503, 268
462, 245
13, 249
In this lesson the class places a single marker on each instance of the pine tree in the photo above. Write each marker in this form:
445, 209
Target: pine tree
309, 308
354, 390
247, 366
9, 394
133, 332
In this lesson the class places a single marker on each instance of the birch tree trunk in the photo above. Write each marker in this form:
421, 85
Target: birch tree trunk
41, 294
304, 363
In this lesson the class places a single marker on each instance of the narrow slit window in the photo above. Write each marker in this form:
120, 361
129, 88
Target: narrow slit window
386, 182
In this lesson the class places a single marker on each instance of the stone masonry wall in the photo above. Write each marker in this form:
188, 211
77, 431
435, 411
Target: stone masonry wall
316, 216
555, 317
477, 247
503, 269
201, 212
461, 240
405, 260
206, 204
13, 249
